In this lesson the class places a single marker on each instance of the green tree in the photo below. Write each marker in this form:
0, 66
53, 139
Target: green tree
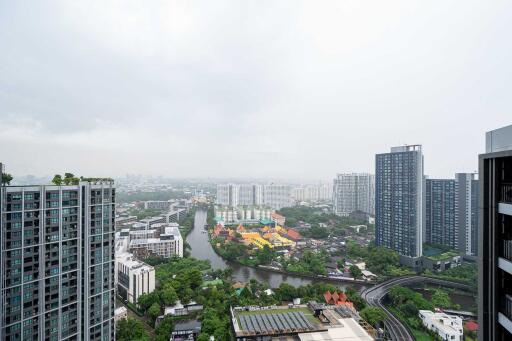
409, 309
164, 329
354, 297
265, 255
168, 295
373, 315
68, 178
381, 259
355, 271
287, 292
57, 180
131, 329
441, 299
147, 300
154, 310
6, 179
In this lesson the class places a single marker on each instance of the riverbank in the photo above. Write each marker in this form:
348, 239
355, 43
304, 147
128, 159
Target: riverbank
288, 273
202, 249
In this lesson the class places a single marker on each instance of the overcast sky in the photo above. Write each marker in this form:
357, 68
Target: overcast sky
249, 88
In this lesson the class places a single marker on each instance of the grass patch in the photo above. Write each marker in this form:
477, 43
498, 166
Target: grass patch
414, 325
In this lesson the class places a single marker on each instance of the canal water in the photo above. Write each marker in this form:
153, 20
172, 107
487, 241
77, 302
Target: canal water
202, 249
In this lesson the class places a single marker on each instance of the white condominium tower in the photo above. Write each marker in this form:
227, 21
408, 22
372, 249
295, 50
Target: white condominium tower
354, 192
274, 195
277, 196
228, 194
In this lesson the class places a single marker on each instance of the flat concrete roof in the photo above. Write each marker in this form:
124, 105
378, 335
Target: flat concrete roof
498, 140
349, 330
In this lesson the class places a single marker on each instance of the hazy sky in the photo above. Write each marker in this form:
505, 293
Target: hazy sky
249, 88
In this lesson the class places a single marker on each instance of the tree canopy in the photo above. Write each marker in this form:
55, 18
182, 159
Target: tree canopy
6, 178
373, 315
131, 329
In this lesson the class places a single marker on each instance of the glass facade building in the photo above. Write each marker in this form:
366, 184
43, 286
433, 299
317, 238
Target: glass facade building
440, 213
399, 201
57, 260
495, 248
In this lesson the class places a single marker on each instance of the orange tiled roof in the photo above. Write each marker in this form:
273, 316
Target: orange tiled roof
327, 297
293, 234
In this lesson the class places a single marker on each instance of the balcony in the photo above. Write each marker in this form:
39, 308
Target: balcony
505, 205
505, 322
505, 265
505, 208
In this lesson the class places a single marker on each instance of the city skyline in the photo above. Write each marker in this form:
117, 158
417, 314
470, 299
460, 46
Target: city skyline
175, 88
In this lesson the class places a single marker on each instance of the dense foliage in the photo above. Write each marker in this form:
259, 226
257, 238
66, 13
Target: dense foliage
312, 263
466, 273
404, 298
131, 329
373, 315
315, 216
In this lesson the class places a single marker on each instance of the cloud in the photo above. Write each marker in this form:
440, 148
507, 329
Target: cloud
226, 88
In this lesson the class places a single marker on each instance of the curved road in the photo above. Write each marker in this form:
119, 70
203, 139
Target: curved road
374, 295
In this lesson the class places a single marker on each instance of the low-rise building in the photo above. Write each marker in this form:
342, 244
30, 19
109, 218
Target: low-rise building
445, 326
121, 221
175, 215
168, 244
278, 219
134, 277
186, 330
312, 322
152, 221
179, 309
143, 234
157, 205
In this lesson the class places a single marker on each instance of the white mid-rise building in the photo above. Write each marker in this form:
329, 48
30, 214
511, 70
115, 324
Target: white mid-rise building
152, 221
134, 277
228, 194
447, 327
232, 214
312, 193
168, 244
157, 204
274, 195
175, 215
143, 234
354, 192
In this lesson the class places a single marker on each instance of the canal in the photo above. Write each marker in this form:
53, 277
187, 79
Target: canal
201, 249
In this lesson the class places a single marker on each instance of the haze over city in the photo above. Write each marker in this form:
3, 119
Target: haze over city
233, 89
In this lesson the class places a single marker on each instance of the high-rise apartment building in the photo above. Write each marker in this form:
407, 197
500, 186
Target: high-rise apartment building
277, 196
495, 247
273, 195
467, 194
440, 212
227, 194
312, 193
399, 202
57, 261
249, 194
354, 192
451, 213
